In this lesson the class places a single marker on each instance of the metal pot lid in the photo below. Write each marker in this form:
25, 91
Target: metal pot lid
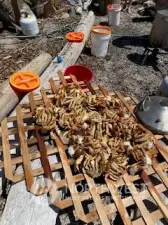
153, 113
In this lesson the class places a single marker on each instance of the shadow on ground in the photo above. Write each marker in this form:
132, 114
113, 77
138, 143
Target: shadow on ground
124, 41
136, 58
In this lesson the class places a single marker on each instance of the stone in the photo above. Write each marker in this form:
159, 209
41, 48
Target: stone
65, 15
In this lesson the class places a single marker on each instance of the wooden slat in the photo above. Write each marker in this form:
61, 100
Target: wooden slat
14, 118
15, 130
6, 151
41, 144
97, 200
18, 159
77, 204
160, 172
125, 103
91, 89
74, 80
47, 102
155, 194
53, 86
25, 152
62, 78
40, 171
118, 201
138, 200
103, 90
139, 221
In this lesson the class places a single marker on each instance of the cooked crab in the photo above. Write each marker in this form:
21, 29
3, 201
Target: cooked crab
116, 166
140, 136
46, 118
100, 130
137, 153
116, 146
93, 165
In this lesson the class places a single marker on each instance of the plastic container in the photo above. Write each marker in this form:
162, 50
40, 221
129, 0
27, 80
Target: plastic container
100, 36
24, 81
82, 73
114, 14
75, 36
29, 24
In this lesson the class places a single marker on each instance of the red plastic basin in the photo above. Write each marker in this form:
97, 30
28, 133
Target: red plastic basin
82, 73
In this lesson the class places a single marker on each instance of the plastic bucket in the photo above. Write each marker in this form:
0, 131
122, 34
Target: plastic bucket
100, 36
82, 73
114, 14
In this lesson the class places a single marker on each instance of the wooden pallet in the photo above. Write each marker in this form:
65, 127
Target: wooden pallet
21, 128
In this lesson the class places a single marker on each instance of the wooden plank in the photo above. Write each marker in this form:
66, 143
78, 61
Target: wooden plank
155, 194
91, 89
47, 102
75, 82
128, 201
53, 86
97, 200
138, 199
103, 90
139, 221
6, 151
161, 149
118, 201
16, 5
160, 172
125, 103
42, 147
15, 130
77, 204
25, 152
33, 156
62, 78
14, 118
40, 171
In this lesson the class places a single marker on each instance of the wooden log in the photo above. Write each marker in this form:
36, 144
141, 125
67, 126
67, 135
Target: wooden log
25, 208
8, 97
16, 4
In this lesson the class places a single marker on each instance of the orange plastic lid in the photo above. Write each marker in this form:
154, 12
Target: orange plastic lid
101, 30
75, 36
24, 81
114, 6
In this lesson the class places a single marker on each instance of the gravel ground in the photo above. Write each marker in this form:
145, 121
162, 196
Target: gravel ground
121, 69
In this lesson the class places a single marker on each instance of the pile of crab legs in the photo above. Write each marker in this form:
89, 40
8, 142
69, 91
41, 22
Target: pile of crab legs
101, 134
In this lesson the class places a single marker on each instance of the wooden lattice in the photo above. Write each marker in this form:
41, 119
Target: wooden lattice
22, 127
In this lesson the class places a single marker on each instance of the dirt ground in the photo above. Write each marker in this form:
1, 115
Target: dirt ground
16, 52
121, 69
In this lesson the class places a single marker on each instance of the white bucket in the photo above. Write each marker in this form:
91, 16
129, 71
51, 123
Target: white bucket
100, 36
114, 14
